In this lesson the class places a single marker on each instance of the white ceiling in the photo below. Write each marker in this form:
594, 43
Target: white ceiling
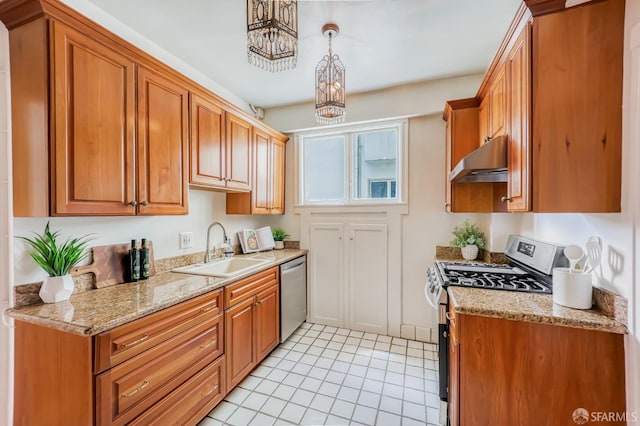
382, 43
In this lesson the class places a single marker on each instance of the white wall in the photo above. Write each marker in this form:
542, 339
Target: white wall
427, 224
204, 208
6, 334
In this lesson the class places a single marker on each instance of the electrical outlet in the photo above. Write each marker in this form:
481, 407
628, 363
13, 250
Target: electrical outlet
186, 240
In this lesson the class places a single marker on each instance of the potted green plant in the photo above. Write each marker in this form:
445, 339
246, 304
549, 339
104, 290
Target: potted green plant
469, 238
56, 260
279, 235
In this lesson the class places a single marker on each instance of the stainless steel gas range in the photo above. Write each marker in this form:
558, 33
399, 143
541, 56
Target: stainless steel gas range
529, 269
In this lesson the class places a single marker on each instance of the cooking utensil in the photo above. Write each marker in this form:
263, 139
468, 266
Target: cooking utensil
594, 253
574, 253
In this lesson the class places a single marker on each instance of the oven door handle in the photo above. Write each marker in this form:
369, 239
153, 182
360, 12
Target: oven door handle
433, 302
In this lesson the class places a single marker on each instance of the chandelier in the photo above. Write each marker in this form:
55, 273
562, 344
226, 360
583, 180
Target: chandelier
272, 34
330, 83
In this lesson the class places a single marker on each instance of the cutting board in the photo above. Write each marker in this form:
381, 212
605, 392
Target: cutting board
110, 264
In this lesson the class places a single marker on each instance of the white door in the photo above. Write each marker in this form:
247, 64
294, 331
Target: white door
368, 277
326, 274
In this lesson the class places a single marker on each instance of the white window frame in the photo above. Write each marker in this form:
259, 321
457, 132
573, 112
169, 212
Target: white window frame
349, 131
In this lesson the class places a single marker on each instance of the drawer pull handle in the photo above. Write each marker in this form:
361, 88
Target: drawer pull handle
135, 342
136, 390
209, 309
208, 345
213, 389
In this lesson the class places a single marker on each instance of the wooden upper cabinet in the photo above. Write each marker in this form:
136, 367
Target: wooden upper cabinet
268, 177
238, 176
462, 138
93, 141
483, 120
162, 145
207, 141
518, 70
497, 99
577, 60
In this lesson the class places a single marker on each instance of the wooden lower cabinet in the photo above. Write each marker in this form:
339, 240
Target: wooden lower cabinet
505, 372
252, 323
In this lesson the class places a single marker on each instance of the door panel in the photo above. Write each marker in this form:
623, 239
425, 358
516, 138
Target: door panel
207, 131
93, 144
326, 274
277, 175
368, 277
239, 324
261, 178
268, 317
162, 145
238, 173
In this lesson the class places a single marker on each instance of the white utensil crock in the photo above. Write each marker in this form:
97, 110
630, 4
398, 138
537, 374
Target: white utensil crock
571, 289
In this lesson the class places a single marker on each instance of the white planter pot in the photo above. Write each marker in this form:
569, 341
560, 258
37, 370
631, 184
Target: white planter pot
279, 245
56, 289
470, 252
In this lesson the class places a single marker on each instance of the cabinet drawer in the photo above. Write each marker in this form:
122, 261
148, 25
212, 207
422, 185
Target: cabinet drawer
120, 344
236, 293
125, 391
188, 404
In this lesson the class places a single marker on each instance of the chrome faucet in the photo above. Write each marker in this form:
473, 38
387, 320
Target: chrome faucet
207, 253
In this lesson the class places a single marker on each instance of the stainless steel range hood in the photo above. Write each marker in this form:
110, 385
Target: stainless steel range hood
486, 164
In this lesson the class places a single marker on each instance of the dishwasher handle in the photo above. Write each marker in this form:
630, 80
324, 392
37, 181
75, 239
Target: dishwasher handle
294, 264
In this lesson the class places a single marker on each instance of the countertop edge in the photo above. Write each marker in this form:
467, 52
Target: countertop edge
19, 313
608, 325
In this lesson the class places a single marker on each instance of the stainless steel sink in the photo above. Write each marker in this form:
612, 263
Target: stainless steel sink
225, 268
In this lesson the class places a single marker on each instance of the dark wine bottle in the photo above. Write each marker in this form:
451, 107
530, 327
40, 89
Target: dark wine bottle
145, 267
134, 262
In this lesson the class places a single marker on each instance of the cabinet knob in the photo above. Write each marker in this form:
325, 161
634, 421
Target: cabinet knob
447, 204
505, 199
133, 203
144, 203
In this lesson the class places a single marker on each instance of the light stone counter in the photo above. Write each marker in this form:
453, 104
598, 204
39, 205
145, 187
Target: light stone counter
93, 311
528, 307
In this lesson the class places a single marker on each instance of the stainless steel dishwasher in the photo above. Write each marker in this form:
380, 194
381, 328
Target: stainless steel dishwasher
293, 296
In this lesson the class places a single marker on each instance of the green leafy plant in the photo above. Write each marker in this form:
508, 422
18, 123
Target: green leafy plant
56, 260
467, 234
279, 234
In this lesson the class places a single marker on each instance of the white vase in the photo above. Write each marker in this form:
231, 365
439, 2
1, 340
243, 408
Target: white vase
279, 245
470, 252
56, 289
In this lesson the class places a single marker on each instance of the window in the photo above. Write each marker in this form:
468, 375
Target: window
358, 165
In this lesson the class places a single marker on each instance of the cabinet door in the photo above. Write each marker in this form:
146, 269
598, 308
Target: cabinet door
261, 202
497, 98
483, 120
277, 154
368, 277
519, 161
268, 321
454, 382
93, 140
207, 141
326, 274
162, 145
238, 174
239, 346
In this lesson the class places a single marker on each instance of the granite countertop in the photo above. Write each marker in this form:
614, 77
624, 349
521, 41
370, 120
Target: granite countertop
528, 307
532, 307
93, 311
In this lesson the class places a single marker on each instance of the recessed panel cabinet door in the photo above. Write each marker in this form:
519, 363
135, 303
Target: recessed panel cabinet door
93, 140
277, 175
326, 274
368, 277
162, 145
207, 131
240, 325
262, 179
268, 321
238, 174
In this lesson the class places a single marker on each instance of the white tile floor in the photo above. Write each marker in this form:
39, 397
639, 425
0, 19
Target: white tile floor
329, 376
